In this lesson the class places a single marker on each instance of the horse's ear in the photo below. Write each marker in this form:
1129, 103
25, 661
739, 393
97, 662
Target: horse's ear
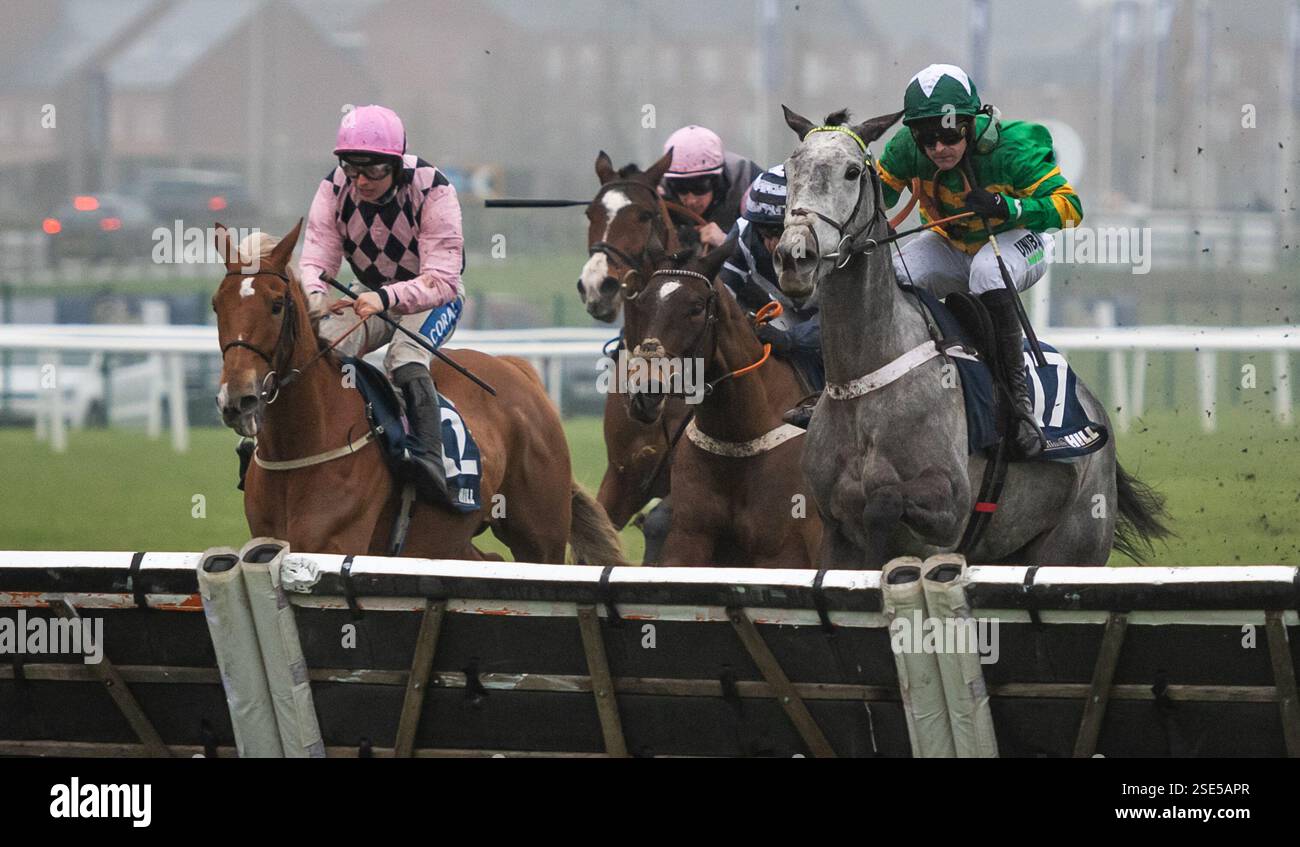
712, 263
226, 247
605, 168
658, 169
281, 252
797, 122
872, 128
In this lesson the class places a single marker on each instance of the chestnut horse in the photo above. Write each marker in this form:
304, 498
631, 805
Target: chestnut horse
279, 387
630, 229
739, 495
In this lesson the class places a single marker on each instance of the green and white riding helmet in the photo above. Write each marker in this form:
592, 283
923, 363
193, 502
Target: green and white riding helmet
940, 91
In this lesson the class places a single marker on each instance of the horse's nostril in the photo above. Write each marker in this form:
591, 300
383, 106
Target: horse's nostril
247, 403
582, 292
608, 285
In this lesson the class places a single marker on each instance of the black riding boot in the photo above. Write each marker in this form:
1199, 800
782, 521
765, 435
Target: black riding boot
424, 414
801, 415
1026, 436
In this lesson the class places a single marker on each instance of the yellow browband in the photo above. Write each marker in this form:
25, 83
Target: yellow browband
850, 133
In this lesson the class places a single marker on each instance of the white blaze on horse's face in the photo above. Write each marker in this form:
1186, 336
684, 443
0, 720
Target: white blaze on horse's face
816, 181
668, 288
602, 304
246, 287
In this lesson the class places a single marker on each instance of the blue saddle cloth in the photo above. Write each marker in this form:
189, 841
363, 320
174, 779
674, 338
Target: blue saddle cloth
1066, 427
460, 452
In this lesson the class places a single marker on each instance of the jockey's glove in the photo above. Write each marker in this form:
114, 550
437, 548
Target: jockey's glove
987, 204
779, 338
317, 304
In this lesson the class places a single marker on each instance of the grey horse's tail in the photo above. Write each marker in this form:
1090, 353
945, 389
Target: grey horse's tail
1142, 516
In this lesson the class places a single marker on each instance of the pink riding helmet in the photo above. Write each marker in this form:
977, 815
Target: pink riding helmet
696, 152
371, 129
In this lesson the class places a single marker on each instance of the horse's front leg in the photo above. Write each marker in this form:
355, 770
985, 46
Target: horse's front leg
931, 506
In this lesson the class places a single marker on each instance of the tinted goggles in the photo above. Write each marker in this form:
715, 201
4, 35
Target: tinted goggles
694, 185
929, 137
371, 170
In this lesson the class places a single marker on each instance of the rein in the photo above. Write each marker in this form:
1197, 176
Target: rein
288, 330
768, 312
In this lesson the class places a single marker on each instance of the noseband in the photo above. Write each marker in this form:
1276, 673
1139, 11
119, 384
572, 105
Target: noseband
284, 344
849, 244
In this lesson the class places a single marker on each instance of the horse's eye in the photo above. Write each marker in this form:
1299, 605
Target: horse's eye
276, 306
697, 310
644, 215
853, 172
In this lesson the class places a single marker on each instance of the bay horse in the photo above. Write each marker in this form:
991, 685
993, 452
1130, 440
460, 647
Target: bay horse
279, 387
630, 228
739, 495
890, 467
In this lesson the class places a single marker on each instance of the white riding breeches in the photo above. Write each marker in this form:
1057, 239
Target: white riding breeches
932, 262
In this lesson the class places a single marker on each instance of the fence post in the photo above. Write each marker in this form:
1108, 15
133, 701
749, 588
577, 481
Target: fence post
177, 405
1205, 370
1282, 387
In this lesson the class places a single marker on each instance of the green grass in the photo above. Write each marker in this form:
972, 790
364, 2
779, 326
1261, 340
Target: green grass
118, 490
1234, 494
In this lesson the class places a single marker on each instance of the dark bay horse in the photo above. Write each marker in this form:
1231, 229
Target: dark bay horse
739, 496
630, 228
300, 405
888, 462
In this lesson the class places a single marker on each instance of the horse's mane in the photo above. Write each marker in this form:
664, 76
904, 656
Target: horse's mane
837, 118
260, 244
630, 169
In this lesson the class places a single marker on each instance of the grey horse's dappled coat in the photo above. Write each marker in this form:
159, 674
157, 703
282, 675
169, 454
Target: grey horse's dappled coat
890, 469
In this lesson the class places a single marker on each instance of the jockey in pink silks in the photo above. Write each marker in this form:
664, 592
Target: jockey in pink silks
396, 220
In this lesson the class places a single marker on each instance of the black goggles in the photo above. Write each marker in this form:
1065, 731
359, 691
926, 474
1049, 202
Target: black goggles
370, 169
694, 185
931, 137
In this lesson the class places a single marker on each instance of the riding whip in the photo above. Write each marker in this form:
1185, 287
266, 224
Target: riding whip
414, 336
509, 203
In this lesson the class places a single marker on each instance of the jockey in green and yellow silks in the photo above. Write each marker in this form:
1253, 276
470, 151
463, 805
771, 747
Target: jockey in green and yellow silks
1018, 188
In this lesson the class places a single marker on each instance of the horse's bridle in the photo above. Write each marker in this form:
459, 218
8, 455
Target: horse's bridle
659, 222
279, 356
848, 246
710, 326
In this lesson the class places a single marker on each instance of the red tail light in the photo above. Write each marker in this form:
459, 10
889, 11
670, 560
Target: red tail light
217, 203
51, 226
85, 203
110, 224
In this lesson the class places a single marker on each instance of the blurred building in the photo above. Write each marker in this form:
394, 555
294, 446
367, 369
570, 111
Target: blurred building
534, 88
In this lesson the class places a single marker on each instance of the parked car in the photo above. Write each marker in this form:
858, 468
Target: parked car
100, 226
195, 197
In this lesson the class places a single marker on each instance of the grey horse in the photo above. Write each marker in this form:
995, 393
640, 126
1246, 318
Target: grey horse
889, 466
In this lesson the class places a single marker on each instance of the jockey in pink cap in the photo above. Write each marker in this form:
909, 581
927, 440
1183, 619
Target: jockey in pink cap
708, 180
396, 220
